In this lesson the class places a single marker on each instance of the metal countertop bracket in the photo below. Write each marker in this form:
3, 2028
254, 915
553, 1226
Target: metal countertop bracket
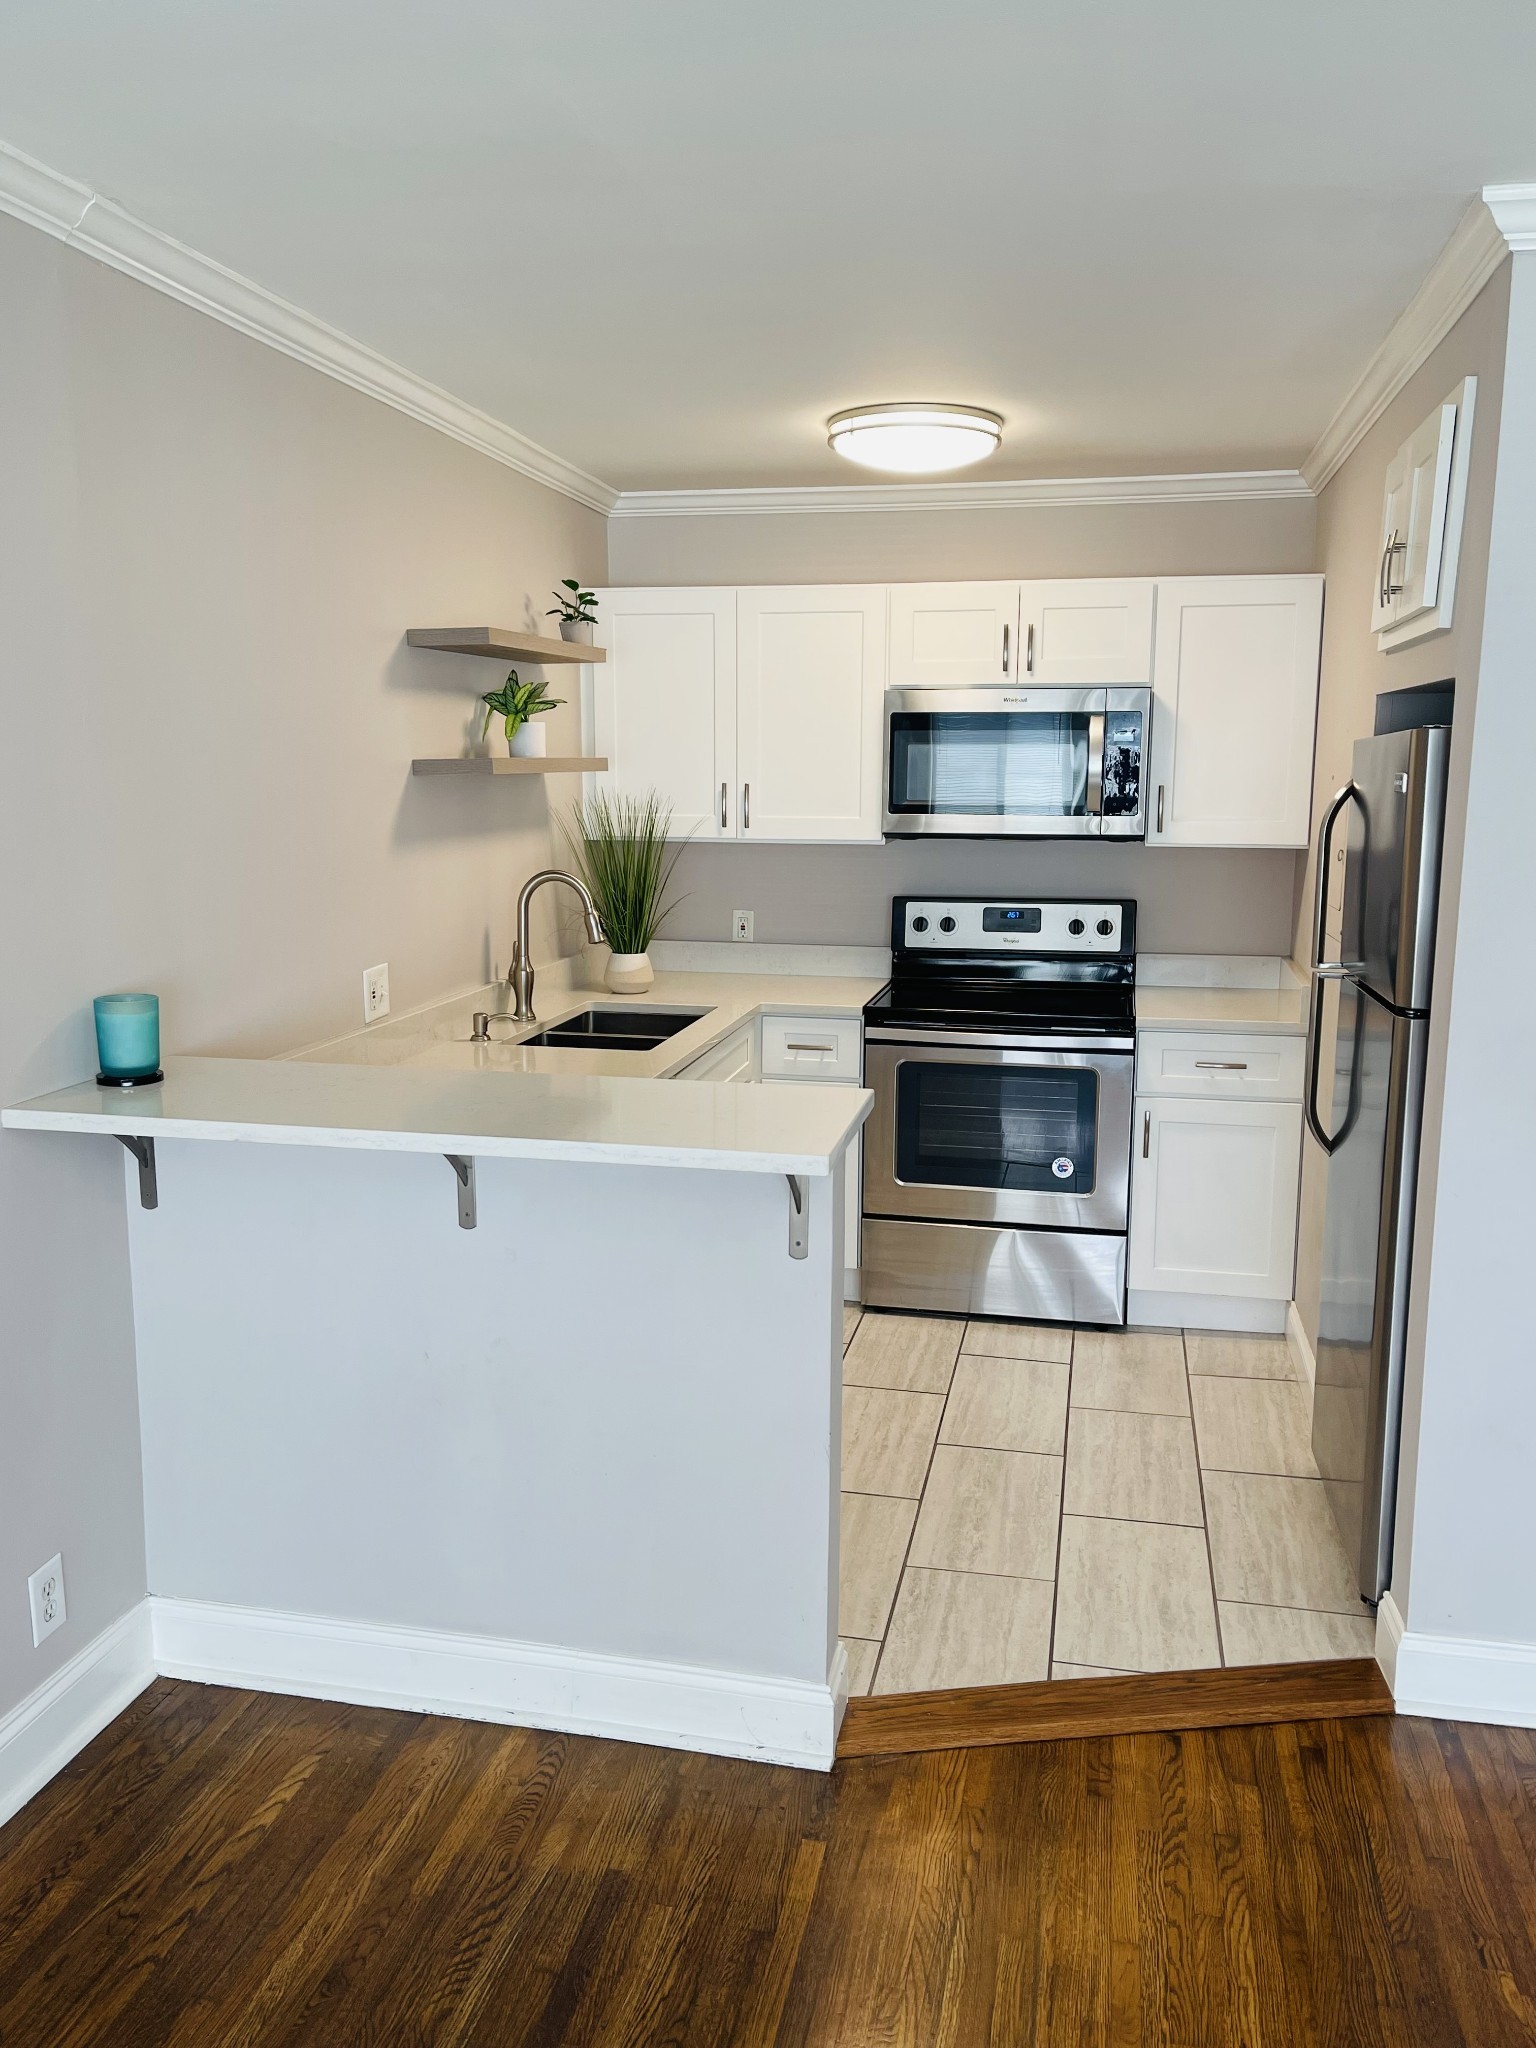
464, 1169
799, 1215
143, 1149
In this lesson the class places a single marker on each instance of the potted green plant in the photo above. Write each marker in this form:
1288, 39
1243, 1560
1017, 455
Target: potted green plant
517, 704
576, 612
620, 849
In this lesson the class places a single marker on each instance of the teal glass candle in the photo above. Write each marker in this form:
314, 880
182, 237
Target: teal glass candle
128, 1038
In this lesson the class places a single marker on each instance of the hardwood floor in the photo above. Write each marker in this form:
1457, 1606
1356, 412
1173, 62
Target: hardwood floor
225, 1869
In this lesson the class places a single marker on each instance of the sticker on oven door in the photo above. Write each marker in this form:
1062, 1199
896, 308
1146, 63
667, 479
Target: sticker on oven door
1062, 1168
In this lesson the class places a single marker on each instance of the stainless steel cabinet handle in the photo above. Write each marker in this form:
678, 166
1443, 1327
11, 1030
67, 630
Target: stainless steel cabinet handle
792, 1045
1381, 573
1029, 650
1160, 807
1394, 547
1146, 1134
1005, 650
746, 807
722, 807
1225, 1066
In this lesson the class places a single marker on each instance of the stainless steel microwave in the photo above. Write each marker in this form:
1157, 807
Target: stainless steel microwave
996, 762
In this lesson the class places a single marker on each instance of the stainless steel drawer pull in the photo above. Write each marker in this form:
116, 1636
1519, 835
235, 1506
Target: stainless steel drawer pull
1160, 788
1225, 1066
1146, 1134
746, 807
1029, 651
722, 807
1005, 650
792, 1045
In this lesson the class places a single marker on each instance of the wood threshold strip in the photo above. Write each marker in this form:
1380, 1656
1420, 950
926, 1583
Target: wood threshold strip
1145, 1703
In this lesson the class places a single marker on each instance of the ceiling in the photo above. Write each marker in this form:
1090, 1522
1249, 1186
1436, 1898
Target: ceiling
666, 240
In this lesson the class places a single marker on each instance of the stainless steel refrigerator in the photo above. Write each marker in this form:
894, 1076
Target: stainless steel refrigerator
1395, 807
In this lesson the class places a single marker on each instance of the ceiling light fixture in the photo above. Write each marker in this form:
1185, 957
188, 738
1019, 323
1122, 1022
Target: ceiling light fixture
915, 440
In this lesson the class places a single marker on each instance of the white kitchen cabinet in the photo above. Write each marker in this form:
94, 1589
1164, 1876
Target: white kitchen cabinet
1234, 678
1213, 1197
1422, 512
810, 683
734, 1058
662, 708
954, 633
1082, 631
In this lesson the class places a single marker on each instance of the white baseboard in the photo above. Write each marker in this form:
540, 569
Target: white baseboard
52, 1725
484, 1678
1456, 1678
1240, 1312
1301, 1350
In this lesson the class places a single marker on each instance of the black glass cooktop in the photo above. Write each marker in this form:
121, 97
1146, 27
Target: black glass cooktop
998, 1002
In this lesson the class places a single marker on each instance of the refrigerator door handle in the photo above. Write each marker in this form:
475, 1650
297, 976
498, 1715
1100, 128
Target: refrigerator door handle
1322, 970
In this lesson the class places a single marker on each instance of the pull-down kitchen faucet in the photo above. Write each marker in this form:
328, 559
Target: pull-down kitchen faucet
521, 975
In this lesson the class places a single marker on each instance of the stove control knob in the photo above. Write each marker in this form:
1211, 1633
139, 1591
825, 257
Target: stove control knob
1105, 927
946, 924
1077, 927
919, 924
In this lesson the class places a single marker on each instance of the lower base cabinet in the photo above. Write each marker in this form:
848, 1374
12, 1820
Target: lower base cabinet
1213, 1197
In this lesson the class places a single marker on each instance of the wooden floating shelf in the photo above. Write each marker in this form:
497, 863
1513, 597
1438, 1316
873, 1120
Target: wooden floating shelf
508, 764
501, 645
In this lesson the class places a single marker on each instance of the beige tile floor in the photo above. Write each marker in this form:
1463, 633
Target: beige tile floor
1027, 1502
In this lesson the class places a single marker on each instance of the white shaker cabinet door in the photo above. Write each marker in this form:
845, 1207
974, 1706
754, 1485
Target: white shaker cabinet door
1213, 1197
663, 705
1234, 712
1084, 631
959, 633
1415, 568
810, 689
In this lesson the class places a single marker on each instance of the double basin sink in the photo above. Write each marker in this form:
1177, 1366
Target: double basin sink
617, 1030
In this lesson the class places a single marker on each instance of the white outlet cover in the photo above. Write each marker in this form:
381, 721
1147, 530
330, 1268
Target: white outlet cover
45, 1595
741, 924
375, 993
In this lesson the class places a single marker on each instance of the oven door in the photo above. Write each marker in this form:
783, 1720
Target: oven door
1015, 763
991, 1132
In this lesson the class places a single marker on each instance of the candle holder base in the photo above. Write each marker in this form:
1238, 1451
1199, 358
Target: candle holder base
129, 1080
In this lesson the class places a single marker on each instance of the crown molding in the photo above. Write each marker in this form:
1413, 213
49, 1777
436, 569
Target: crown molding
1503, 219
1026, 492
85, 221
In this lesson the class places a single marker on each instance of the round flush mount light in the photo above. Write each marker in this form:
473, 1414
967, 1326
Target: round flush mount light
915, 440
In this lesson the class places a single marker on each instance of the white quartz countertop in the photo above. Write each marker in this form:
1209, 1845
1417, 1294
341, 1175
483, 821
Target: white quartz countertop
1282, 1011
617, 1120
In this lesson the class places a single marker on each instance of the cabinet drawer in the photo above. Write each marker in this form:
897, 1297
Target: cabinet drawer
733, 1059
1259, 1069
811, 1048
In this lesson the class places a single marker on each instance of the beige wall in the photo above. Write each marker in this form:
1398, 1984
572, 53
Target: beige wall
208, 557
1353, 671
1190, 902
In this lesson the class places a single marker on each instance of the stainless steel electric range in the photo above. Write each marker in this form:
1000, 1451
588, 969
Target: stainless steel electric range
997, 1160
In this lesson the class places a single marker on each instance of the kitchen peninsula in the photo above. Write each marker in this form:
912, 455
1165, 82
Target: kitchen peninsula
506, 1394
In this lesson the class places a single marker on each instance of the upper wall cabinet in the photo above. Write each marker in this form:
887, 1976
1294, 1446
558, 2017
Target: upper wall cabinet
810, 678
663, 706
954, 633
1086, 632
1234, 680
1426, 494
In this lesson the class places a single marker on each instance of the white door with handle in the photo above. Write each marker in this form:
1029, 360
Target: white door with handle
954, 633
1213, 1197
663, 705
1086, 631
810, 676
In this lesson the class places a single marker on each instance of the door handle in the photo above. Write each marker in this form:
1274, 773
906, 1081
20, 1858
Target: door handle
1322, 970
1225, 1066
1394, 547
746, 807
1029, 649
1160, 807
722, 807
1146, 1134
1005, 650
1095, 795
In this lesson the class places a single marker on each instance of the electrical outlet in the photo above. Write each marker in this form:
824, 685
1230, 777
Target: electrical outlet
375, 993
45, 1592
741, 924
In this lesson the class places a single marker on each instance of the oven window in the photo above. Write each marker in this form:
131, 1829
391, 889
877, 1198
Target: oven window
996, 1127
989, 764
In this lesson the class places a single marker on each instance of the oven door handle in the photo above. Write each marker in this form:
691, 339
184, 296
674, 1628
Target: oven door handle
1084, 1051
1095, 800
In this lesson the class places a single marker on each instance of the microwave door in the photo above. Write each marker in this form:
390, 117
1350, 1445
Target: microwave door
991, 762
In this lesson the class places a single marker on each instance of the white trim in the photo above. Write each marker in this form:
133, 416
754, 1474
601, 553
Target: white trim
83, 219
1150, 1309
486, 1678
52, 1725
1217, 486
1503, 219
1301, 1350
1456, 1678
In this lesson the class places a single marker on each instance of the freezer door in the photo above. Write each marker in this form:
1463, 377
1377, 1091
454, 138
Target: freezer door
1392, 870
1367, 1247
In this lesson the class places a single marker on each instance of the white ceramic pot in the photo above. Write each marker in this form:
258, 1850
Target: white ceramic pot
578, 631
529, 743
629, 974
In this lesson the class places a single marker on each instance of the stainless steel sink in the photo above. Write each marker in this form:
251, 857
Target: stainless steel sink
616, 1030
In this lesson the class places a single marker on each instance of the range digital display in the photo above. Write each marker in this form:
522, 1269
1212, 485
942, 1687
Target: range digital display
1011, 917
